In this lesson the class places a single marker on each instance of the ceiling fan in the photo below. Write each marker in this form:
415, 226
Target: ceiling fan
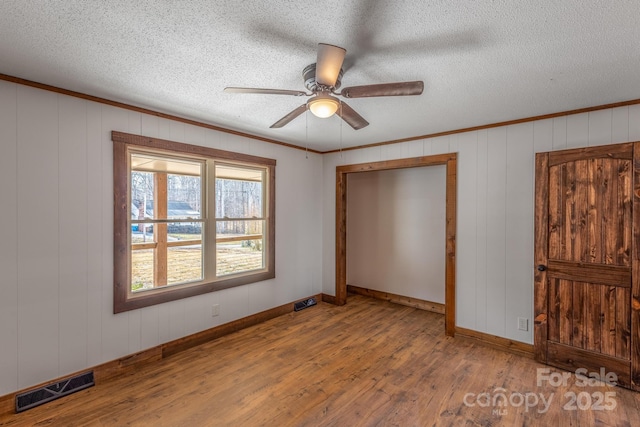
322, 79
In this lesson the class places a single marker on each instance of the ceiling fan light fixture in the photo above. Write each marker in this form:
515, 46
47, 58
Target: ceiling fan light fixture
323, 106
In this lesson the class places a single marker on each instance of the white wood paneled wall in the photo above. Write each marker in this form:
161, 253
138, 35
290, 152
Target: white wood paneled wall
495, 207
56, 245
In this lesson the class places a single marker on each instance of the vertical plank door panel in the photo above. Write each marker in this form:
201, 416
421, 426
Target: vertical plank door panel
578, 315
624, 213
541, 251
554, 310
568, 189
555, 208
635, 283
565, 313
608, 323
581, 249
623, 328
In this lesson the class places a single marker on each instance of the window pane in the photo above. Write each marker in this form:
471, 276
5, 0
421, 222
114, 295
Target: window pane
238, 257
141, 233
182, 231
184, 197
238, 228
142, 259
239, 192
141, 195
141, 270
239, 246
184, 264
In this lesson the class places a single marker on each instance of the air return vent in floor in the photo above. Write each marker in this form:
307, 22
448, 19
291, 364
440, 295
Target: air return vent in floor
33, 398
301, 305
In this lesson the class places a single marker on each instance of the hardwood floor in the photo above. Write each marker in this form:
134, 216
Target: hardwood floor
368, 363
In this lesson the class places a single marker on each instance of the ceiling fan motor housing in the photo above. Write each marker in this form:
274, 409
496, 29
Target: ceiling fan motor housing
309, 76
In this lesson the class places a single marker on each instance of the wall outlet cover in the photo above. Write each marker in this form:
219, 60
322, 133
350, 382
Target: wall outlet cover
523, 324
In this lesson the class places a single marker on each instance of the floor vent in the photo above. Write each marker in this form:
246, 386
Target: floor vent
304, 304
50, 392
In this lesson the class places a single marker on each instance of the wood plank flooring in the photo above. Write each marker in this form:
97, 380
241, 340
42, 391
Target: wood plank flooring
368, 363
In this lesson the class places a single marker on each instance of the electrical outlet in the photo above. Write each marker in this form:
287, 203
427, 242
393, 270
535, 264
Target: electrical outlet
215, 310
523, 324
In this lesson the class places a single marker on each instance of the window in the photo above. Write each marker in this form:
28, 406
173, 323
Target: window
188, 220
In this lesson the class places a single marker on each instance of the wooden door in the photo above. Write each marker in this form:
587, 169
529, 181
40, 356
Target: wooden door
586, 255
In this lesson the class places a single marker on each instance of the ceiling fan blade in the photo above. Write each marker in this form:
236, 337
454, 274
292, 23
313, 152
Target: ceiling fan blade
350, 116
328, 63
292, 115
265, 91
384, 89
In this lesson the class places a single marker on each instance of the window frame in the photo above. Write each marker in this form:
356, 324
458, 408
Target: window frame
123, 299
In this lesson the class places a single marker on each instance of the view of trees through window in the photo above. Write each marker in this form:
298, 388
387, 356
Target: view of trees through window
239, 220
165, 253
168, 217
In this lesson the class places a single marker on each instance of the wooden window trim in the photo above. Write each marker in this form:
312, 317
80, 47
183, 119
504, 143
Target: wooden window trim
121, 280
450, 161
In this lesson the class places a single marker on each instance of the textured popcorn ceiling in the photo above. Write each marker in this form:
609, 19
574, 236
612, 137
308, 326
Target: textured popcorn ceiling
482, 61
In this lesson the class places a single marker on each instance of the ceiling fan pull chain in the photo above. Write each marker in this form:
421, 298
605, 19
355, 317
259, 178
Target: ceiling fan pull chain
341, 129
